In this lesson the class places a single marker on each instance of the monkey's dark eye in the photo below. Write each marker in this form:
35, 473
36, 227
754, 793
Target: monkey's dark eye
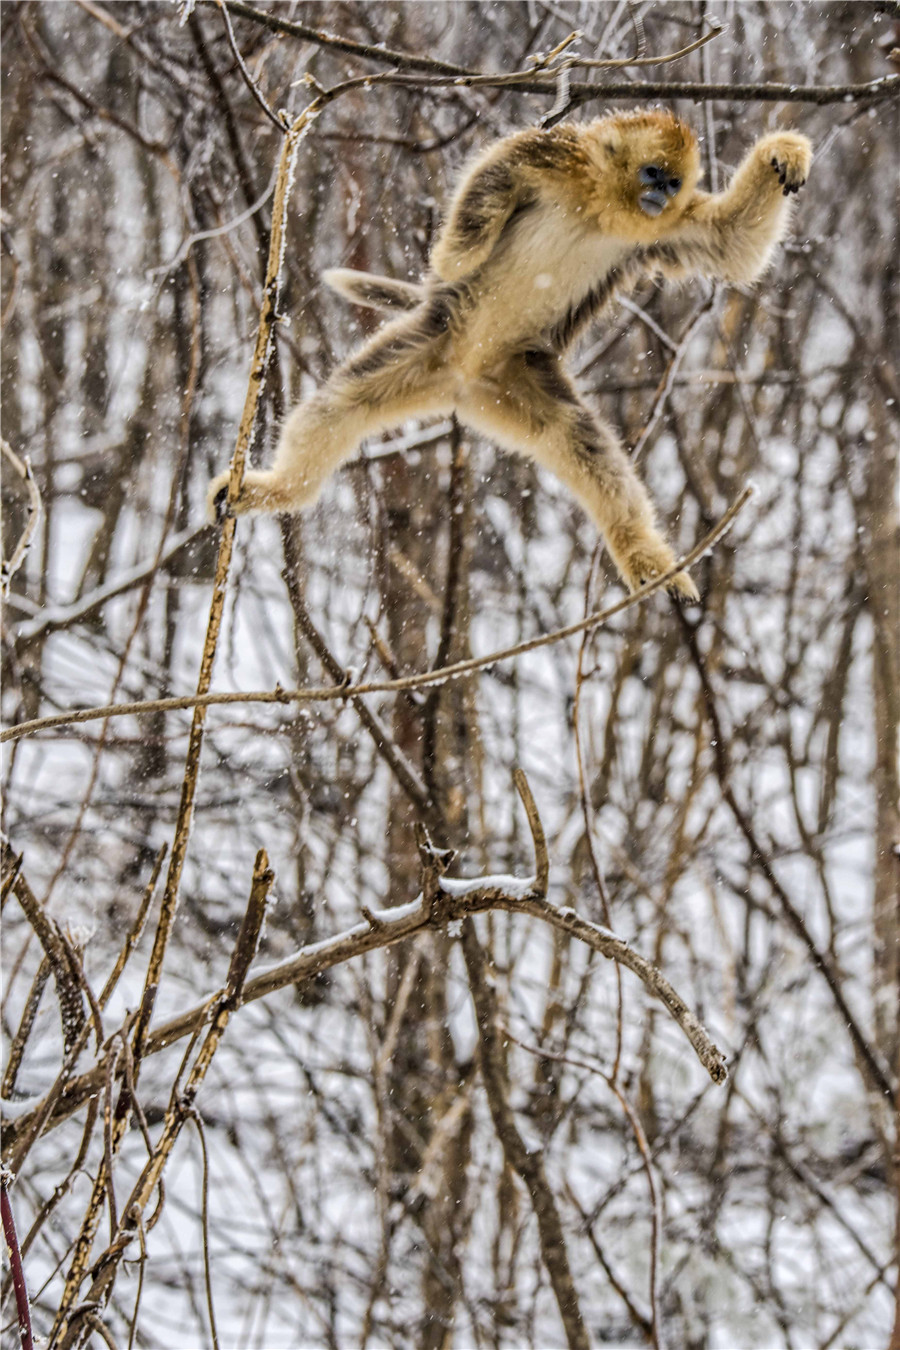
673, 186
651, 174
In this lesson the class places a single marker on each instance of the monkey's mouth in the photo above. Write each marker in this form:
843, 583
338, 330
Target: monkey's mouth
652, 201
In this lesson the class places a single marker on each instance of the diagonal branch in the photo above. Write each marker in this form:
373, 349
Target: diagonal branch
342, 690
441, 900
526, 1161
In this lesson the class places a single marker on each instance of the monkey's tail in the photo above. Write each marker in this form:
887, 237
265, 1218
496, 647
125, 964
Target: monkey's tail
364, 288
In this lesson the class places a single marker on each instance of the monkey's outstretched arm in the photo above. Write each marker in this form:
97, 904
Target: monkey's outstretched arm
397, 374
531, 406
731, 236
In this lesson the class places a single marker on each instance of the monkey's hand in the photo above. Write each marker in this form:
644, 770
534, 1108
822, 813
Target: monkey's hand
789, 156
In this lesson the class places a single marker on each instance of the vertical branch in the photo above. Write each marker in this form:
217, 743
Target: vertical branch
258, 367
264, 338
68, 990
11, 565
455, 553
180, 1110
23, 1309
526, 1161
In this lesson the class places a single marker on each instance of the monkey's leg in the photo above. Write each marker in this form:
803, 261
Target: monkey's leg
397, 374
532, 407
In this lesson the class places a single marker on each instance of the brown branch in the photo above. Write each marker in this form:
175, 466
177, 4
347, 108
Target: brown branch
68, 990
876, 91
11, 565
342, 690
23, 1031
441, 74
526, 1161
876, 1073
318, 36
258, 368
404, 772
442, 899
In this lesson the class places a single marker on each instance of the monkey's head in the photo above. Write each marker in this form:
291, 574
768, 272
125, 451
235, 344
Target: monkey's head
648, 167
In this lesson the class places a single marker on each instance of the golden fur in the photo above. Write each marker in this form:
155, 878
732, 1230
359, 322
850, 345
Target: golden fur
545, 228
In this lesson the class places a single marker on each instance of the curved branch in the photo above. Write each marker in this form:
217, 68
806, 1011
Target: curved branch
449, 899
11, 565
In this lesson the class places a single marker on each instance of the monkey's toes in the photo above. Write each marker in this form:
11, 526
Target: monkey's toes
645, 566
217, 499
681, 587
220, 505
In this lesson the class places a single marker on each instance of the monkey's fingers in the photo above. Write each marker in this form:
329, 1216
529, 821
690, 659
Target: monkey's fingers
790, 155
787, 177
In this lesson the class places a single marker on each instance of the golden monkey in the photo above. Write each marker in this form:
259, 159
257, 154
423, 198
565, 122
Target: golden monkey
544, 230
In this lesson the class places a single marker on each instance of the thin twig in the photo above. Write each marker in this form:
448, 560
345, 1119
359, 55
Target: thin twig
452, 899
526, 1161
23, 1308
258, 368
256, 92
339, 692
11, 565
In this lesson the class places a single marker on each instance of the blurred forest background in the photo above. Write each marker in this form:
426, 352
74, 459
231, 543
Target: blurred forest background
719, 788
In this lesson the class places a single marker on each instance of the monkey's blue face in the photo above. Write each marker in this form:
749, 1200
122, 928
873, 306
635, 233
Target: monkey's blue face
659, 186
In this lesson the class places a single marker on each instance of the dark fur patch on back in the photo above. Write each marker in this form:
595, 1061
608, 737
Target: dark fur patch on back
559, 149
389, 297
490, 188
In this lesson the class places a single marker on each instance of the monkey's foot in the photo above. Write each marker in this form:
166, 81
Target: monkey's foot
790, 155
263, 490
640, 568
217, 499
681, 587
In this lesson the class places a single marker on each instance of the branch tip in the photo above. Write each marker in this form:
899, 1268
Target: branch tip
539, 839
